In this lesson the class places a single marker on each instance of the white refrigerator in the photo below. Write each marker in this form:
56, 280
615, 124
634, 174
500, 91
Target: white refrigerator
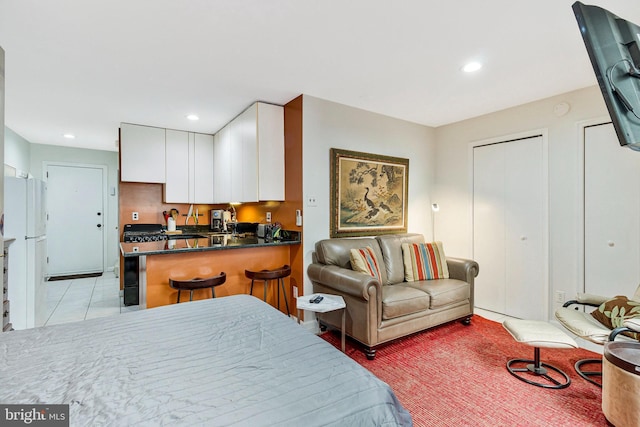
25, 219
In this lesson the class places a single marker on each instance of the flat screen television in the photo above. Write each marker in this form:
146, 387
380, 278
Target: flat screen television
613, 45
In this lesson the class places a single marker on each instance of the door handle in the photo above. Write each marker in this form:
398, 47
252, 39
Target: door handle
99, 225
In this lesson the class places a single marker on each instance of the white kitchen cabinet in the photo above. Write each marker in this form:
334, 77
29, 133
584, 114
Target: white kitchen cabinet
189, 167
270, 137
178, 169
142, 153
249, 156
222, 165
202, 168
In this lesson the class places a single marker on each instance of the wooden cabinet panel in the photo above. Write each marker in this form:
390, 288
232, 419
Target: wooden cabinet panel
209, 263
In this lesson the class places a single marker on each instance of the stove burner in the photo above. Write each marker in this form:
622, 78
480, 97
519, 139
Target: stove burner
137, 233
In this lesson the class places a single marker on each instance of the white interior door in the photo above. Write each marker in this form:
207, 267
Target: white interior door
611, 214
489, 226
525, 216
509, 223
75, 229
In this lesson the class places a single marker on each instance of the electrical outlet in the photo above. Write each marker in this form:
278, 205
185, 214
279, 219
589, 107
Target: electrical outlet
268, 216
298, 217
134, 216
295, 292
560, 297
312, 201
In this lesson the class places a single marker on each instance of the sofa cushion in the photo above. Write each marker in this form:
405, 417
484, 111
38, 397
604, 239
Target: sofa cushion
364, 260
443, 292
400, 300
337, 252
391, 248
424, 261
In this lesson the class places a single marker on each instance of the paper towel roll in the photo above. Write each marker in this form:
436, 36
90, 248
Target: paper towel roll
171, 224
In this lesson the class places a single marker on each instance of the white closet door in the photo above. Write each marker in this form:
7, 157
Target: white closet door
525, 211
488, 226
509, 223
611, 214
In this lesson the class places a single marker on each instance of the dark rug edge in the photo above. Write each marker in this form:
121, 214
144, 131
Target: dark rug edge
73, 276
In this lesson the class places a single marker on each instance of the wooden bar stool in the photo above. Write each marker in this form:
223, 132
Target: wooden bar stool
198, 283
267, 275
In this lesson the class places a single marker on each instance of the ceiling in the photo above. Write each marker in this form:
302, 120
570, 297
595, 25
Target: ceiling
80, 67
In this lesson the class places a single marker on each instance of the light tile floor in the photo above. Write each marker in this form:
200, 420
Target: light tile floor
81, 299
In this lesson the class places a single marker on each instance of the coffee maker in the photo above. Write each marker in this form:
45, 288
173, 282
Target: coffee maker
217, 220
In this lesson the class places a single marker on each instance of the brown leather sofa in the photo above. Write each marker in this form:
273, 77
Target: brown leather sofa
380, 312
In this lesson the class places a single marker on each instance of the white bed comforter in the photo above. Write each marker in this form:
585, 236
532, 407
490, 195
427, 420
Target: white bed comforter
217, 362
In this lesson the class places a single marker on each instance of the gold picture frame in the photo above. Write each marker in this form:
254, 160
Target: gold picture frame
369, 194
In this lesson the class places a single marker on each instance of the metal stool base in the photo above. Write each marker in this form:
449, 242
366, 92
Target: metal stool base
539, 369
590, 375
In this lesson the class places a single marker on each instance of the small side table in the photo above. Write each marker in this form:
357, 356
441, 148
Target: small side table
329, 303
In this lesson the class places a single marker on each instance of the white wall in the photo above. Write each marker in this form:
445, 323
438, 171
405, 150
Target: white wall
17, 151
328, 125
453, 182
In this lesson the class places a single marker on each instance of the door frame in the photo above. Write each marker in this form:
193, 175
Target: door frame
580, 223
105, 199
542, 132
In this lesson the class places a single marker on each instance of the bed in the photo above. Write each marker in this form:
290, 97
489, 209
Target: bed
215, 362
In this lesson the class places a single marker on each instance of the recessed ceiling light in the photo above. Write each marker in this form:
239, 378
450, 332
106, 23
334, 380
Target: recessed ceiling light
69, 136
472, 67
193, 117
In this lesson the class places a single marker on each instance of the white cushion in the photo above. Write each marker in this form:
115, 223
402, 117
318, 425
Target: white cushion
538, 334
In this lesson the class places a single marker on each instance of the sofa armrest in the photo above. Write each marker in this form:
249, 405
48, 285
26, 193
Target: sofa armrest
344, 281
462, 269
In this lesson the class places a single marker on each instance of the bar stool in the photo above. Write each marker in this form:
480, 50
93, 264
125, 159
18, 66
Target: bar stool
198, 283
268, 275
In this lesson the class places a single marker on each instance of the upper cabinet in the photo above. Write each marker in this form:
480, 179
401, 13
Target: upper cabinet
222, 165
270, 138
249, 156
178, 170
202, 168
243, 162
189, 167
142, 153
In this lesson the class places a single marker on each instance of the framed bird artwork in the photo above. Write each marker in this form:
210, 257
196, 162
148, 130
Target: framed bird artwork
369, 194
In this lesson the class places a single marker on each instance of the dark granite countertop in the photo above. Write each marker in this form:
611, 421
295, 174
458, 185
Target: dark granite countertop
209, 243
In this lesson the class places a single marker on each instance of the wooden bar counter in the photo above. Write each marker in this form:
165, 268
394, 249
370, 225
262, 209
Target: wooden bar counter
205, 257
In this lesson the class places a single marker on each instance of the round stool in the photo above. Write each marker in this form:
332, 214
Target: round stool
266, 276
538, 334
621, 383
197, 283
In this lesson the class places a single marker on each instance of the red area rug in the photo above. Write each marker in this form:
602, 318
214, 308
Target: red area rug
456, 375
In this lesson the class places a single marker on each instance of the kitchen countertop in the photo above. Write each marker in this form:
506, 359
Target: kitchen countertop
209, 243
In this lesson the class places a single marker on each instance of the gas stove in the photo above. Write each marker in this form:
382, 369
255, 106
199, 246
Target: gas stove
136, 233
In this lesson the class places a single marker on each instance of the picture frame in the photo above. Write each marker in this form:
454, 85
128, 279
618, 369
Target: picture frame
369, 194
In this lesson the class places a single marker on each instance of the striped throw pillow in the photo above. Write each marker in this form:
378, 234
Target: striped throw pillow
364, 261
424, 261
